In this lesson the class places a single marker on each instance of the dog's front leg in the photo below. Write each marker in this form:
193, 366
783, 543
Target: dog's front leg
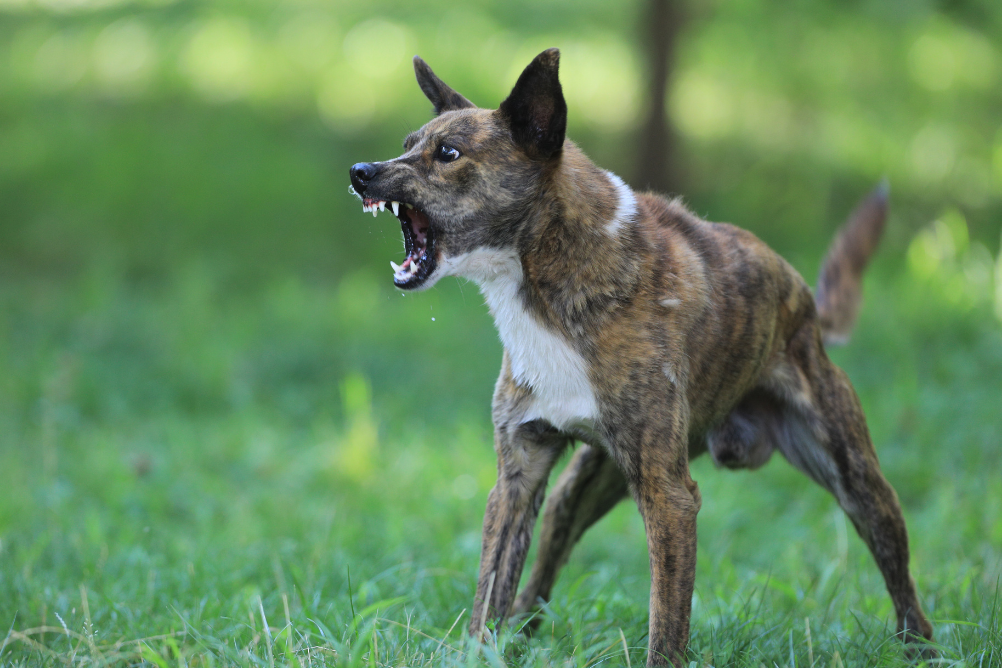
655, 461
589, 487
526, 453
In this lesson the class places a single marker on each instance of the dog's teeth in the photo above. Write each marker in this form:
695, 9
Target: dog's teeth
382, 206
396, 267
409, 206
365, 209
396, 207
375, 211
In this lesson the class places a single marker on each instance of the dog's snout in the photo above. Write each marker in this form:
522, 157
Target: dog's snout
361, 174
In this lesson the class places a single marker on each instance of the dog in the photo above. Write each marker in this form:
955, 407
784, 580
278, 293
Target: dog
638, 330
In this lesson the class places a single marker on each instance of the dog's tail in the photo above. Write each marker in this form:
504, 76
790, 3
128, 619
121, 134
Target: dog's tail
839, 290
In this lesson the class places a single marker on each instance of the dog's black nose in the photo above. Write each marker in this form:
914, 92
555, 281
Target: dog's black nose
361, 174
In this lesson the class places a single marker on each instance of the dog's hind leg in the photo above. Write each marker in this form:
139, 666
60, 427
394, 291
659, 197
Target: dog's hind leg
824, 434
650, 445
587, 489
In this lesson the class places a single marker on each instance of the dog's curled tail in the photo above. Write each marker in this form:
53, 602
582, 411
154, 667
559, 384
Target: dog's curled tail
839, 290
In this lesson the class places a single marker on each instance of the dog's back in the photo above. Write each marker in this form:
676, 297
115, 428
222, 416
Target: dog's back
739, 303
733, 301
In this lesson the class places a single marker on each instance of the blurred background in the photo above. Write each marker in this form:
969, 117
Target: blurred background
199, 333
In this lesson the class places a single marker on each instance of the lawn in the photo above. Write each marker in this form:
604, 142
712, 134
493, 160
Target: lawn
295, 473
225, 439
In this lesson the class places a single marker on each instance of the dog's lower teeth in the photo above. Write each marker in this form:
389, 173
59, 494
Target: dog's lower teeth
396, 267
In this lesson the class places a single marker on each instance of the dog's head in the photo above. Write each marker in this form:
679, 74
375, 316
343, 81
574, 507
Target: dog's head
470, 177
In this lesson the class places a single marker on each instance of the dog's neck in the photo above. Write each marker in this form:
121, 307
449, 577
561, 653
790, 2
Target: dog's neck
577, 258
580, 251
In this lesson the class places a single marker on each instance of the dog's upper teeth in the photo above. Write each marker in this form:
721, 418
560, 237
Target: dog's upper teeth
375, 211
382, 206
409, 206
396, 207
365, 209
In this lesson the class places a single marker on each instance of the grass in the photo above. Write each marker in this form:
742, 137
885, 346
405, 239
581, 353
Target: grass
224, 440
295, 474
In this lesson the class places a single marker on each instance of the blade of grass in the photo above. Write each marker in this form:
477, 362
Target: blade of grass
267, 633
626, 650
442, 641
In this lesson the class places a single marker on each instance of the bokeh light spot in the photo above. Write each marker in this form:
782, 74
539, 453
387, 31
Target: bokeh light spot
703, 107
465, 487
947, 55
345, 102
602, 82
376, 47
933, 152
932, 62
123, 53
218, 59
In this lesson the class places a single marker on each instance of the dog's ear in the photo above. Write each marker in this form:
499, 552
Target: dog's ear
535, 109
443, 97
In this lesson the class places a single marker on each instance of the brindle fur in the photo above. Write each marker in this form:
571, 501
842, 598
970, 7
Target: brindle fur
696, 336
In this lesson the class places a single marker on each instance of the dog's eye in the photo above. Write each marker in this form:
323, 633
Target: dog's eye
447, 153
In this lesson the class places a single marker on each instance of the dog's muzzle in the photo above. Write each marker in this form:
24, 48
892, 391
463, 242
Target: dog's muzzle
420, 258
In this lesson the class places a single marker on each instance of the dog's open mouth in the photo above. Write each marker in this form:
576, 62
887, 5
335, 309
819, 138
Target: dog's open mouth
419, 242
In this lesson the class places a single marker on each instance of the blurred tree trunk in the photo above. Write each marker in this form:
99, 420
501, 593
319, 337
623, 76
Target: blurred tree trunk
657, 168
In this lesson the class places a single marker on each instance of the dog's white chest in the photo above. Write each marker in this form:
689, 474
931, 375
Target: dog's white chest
540, 358
545, 362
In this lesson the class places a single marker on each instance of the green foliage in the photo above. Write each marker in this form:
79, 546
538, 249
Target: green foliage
213, 406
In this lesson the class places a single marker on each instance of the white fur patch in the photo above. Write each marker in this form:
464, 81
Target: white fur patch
626, 210
540, 358
669, 372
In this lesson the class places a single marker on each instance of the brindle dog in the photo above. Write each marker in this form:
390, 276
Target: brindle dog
637, 329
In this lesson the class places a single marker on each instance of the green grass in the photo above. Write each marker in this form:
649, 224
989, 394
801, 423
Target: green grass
225, 440
193, 472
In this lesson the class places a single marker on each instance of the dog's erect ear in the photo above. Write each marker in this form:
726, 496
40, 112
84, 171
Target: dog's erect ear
443, 97
535, 109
